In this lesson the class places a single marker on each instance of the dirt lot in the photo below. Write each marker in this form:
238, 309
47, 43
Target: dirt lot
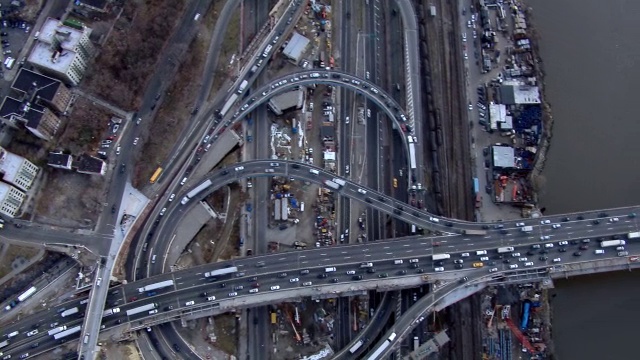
13, 256
125, 63
225, 330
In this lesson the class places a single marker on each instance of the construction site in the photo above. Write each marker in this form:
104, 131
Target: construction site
516, 322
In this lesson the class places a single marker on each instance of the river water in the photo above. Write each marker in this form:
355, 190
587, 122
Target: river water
591, 55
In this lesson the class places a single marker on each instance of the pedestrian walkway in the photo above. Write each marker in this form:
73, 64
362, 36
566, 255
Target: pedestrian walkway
103, 103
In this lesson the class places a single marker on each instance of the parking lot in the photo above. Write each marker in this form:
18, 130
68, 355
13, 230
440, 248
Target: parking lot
14, 33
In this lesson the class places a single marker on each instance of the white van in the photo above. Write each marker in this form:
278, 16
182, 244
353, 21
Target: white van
397, 262
153, 259
195, 18
481, 252
183, 181
330, 269
314, 171
15, 333
363, 192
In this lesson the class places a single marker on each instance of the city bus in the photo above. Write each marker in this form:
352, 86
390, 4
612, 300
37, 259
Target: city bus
155, 175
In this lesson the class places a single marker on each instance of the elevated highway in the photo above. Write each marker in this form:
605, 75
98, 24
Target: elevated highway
269, 270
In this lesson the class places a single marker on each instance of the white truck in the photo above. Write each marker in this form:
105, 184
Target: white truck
339, 182
332, 184
155, 286
243, 85
506, 249
608, 243
57, 330
526, 228
141, 309
69, 312
633, 235
441, 256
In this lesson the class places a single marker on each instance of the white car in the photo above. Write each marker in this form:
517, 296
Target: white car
556, 226
351, 272
520, 224
189, 303
206, 148
294, 280
493, 270
458, 261
163, 211
135, 141
563, 243
464, 254
173, 196
522, 259
545, 222
253, 291
118, 150
32, 332
154, 311
598, 252
514, 266
232, 294
275, 287
615, 219
435, 220
484, 258
515, 254
211, 298
239, 168
413, 260
545, 237
528, 264
548, 245
439, 269
557, 260
308, 283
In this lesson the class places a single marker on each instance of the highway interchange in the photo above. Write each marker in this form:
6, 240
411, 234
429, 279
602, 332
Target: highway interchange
280, 269
190, 284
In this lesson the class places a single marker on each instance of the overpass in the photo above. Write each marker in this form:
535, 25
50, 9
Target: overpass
191, 283
289, 82
446, 286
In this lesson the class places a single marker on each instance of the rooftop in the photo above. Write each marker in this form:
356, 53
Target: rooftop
287, 100
89, 164
54, 45
9, 165
58, 159
24, 109
503, 157
43, 55
296, 46
44, 86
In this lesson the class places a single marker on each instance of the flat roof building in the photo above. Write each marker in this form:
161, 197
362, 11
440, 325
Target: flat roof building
61, 51
39, 120
17, 170
285, 101
497, 114
87, 164
59, 160
11, 200
42, 90
296, 47
503, 157
519, 94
